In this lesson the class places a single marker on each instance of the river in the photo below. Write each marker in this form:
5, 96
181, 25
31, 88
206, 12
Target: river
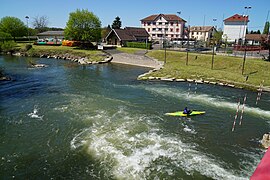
98, 122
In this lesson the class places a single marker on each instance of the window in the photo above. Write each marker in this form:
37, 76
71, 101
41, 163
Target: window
154, 23
148, 23
177, 30
160, 29
148, 29
172, 35
160, 23
144, 23
153, 35
154, 29
177, 24
171, 29
171, 23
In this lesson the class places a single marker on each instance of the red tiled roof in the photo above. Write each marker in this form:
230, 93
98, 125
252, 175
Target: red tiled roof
137, 32
237, 17
168, 17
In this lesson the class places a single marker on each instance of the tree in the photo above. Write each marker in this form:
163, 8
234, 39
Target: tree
217, 37
266, 28
40, 23
83, 26
13, 26
117, 23
266, 44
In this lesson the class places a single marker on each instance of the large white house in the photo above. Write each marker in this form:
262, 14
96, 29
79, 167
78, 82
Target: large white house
161, 26
203, 33
235, 28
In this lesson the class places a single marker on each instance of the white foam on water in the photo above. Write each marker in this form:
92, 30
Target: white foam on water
189, 130
133, 147
207, 100
34, 114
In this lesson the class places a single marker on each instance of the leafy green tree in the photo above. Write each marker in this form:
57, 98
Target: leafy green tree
266, 28
5, 36
117, 23
83, 26
13, 26
217, 37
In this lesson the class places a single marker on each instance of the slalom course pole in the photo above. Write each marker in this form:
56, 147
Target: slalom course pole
243, 107
259, 94
196, 87
236, 115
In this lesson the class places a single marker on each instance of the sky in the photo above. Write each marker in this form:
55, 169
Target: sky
195, 12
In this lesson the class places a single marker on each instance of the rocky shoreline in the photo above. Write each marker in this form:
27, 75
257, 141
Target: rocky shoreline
146, 76
67, 56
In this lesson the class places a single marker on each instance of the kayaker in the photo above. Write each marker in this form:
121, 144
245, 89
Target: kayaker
186, 111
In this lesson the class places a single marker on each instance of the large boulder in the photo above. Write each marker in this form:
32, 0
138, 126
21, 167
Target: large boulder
266, 140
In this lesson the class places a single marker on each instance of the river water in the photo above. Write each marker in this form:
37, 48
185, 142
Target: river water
98, 122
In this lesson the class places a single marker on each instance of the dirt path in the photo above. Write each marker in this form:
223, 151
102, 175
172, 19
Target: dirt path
137, 59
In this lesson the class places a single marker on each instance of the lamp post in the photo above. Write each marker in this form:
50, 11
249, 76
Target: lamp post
27, 17
245, 23
245, 43
187, 43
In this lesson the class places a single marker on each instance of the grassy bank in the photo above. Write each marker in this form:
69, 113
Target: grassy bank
226, 69
37, 50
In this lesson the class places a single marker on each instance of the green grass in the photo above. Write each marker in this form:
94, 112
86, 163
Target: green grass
129, 50
92, 55
226, 69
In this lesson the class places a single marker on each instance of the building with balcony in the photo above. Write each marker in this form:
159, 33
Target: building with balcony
160, 26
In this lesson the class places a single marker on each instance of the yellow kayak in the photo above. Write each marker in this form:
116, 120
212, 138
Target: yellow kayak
180, 113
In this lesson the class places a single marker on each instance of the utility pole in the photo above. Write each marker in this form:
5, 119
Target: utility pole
245, 43
27, 17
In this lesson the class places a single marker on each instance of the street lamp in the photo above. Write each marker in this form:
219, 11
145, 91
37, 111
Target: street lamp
165, 43
245, 43
27, 17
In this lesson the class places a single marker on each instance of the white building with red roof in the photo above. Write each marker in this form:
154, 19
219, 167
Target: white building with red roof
235, 28
159, 26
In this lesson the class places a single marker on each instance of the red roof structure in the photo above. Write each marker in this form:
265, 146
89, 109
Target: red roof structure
168, 17
238, 18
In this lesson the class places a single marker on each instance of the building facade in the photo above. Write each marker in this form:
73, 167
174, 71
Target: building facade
235, 28
119, 37
162, 26
202, 33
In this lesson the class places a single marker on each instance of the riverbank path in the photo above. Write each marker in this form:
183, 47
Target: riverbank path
137, 59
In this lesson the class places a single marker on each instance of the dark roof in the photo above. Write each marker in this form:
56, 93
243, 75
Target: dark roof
256, 37
137, 32
201, 28
168, 17
129, 33
51, 33
237, 17
124, 35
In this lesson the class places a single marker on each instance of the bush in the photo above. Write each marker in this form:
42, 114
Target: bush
7, 46
139, 45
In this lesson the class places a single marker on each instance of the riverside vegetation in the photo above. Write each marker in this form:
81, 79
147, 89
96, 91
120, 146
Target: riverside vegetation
226, 69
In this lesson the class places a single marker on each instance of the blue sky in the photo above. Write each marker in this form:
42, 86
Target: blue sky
132, 11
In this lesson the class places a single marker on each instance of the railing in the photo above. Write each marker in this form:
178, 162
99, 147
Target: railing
247, 48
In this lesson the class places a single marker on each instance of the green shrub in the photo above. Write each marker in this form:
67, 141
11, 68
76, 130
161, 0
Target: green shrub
7, 46
138, 45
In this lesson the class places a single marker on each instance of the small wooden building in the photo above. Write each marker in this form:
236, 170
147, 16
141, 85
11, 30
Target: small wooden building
119, 37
